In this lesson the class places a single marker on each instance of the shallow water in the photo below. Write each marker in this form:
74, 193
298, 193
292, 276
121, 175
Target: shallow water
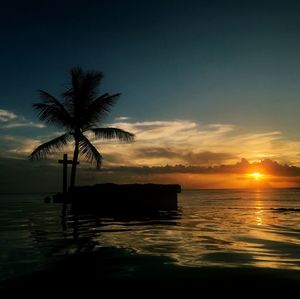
226, 228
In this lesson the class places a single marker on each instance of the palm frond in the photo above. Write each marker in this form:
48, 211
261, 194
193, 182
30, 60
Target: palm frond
89, 151
84, 84
82, 93
91, 82
76, 77
113, 133
99, 108
52, 111
43, 150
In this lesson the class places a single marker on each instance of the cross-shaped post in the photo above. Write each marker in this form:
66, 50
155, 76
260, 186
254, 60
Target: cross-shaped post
65, 163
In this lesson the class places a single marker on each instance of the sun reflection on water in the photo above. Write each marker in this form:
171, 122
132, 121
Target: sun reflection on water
227, 228
259, 211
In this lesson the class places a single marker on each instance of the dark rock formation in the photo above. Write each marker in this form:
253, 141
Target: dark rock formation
128, 198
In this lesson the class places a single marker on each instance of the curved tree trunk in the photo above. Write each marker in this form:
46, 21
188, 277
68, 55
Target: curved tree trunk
74, 164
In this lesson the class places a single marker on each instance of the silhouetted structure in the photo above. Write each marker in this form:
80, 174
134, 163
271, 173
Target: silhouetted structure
65, 163
113, 199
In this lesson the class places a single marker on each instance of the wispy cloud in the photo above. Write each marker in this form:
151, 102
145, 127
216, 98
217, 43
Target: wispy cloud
192, 154
10, 120
183, 142
122, 118
28, 124
190, 143
6, 115
16, 146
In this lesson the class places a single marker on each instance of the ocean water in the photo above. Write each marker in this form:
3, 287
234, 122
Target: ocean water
226, 228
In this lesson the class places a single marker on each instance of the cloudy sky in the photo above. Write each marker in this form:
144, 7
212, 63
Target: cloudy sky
210, 88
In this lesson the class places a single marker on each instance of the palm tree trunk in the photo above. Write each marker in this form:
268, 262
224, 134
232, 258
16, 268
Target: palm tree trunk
74, 164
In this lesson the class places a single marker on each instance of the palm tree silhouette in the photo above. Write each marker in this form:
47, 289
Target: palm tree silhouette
79, 112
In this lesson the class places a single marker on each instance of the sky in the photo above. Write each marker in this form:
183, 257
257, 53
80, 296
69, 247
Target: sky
203, 83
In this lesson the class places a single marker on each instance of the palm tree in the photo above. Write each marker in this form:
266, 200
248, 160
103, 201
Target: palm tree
79, 112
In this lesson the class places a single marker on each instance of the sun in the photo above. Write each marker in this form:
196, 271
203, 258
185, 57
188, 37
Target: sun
256, 175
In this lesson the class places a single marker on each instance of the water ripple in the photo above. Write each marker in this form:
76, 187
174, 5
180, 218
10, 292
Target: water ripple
214, 227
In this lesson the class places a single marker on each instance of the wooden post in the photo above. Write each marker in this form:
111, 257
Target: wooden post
65, 163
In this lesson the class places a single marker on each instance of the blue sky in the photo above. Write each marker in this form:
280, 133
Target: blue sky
209, 61
231, 63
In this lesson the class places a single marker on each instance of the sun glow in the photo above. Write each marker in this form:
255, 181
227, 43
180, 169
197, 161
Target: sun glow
256, 175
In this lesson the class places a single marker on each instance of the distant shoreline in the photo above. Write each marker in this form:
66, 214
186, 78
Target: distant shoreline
183, 189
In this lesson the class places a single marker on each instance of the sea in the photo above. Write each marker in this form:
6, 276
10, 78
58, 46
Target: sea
212, 228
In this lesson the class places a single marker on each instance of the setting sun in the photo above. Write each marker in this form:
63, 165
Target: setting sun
256, 175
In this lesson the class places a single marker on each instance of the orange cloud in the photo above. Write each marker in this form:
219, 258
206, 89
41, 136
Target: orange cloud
274, 175
185, 152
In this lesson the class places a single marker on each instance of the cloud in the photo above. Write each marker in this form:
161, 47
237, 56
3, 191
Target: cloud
242, 167
190, 143
6, 115
122, 118
21, 175
235, 175
24, 174
167, 142
9, 120
186, 152
179, 142
15, 146
276, 169
29, 124
187, 157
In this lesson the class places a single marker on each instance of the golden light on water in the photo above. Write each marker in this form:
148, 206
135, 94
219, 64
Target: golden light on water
258, 209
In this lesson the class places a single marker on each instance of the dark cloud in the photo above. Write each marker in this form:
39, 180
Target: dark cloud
156, 152
207, 157
114, 159
274, 168
201, 158
19, 175
266, 166
22, 175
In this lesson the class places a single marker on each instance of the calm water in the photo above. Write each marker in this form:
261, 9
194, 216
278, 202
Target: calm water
231, 228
